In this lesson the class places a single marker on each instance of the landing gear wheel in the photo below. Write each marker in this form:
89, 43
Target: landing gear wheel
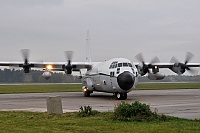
121, 96
86, 94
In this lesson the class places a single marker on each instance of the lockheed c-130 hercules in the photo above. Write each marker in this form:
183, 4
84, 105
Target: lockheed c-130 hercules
118, 76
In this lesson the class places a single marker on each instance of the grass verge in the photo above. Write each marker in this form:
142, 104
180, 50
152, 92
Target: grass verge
30, 122
41, 88
162, 86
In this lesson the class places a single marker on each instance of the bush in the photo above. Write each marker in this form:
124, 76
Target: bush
135, 112
87, 111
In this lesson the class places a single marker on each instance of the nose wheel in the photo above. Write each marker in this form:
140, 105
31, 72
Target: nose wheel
120, 96
86, 92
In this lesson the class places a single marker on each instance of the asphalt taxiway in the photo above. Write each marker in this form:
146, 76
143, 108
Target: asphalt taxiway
184, 103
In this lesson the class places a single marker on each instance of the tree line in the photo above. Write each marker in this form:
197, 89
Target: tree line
35, 76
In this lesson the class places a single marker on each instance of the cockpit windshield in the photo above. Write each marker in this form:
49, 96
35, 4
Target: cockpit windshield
124, 64
119, 64
115, 64
130, 65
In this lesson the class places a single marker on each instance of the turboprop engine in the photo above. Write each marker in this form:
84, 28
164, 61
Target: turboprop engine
180, 67
47, 75
68, 67
26, 65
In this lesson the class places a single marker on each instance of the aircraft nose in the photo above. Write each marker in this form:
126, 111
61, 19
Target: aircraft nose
126, 80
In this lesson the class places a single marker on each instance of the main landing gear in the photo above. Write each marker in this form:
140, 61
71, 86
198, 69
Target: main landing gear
120, 96
86, 92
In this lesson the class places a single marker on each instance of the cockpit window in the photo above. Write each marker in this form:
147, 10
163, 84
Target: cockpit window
113, 65
119, 64
130, 65
125, 64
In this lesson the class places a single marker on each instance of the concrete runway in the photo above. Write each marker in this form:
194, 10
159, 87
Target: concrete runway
184, 103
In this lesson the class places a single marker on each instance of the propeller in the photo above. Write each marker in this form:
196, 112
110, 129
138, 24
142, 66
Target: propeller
26, 66
145, 67
184, 65
69, 66
25, 54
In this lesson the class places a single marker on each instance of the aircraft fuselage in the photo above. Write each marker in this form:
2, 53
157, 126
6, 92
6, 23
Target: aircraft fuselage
113, 76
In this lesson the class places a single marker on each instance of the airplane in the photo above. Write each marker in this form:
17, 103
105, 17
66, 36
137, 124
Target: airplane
118, 76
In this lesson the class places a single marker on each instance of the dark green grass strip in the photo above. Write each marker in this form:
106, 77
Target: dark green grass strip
42, 88
27, 122
160, 86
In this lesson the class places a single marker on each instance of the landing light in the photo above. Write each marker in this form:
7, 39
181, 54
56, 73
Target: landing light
49, 67
85, 89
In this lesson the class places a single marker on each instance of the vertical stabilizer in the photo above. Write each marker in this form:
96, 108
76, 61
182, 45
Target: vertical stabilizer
88, 47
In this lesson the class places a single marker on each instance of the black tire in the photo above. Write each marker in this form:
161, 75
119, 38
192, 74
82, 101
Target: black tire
121, 96
86, 94
124, 96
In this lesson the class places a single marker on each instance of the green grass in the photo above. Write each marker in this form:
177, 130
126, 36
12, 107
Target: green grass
29, 122
40, 88
33, 88
161, 86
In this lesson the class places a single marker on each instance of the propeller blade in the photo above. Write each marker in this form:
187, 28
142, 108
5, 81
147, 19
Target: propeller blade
68, 67
174, 60
184, 66
189, 56
155, 60
192, 71
25, 54
69, 55
145, 67
140, 57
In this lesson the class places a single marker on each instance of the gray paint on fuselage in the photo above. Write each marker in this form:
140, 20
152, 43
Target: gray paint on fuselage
103, 81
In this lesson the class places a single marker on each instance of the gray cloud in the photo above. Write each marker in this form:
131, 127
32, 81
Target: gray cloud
30, 3
120, 28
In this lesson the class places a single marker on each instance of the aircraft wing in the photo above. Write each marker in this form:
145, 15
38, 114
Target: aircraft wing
55, 66
178, 68
168, 65
20, 64
60, 66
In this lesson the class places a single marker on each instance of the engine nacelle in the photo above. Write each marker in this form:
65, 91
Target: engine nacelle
142, 70
156, 76
178, 68
47, 75
68, 68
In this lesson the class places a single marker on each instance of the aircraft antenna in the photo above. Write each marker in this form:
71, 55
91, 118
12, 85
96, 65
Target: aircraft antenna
88, 47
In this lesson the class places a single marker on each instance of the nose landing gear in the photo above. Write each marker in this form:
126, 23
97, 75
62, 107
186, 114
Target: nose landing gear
120, 96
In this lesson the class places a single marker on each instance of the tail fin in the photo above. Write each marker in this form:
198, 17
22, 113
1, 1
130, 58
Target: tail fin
88, 47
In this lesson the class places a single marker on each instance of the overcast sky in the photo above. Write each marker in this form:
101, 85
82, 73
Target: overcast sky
118, 28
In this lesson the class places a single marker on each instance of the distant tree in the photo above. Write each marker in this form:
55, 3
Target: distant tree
35, 76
